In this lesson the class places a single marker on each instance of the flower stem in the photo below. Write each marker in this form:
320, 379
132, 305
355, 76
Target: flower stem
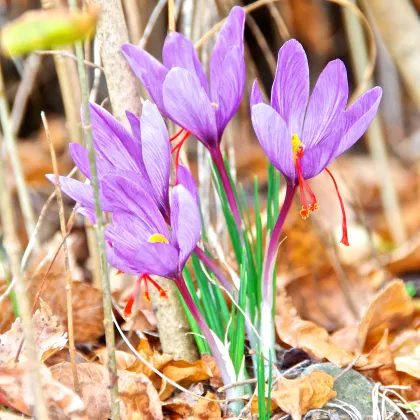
217, 157
266, 321
208, 334
212, 266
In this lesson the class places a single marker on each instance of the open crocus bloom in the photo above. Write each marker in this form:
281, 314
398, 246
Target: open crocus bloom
302, 135
143, 156
180, 87
134, 175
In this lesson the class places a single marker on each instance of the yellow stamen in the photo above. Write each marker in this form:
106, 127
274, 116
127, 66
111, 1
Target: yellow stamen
296, 146
158, 238
215, 105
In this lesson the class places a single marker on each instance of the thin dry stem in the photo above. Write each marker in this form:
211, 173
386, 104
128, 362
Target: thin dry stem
66, 54
69, 294
12, 149
12, 245
151, 23
171, 16
106, 287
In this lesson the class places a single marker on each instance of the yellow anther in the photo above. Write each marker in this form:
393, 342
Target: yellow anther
215, 105
297, 146
158, 238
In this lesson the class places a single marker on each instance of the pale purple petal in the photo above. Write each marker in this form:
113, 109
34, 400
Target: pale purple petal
231, 88
178, 51
256, 95
80, 157
150, 71
327, 103
290, 91
274, 138
231, 35
358, 118
89, 213
134, 122
188, 105
132, 196
185, 222
113, 143
156, 153
186, 179
80, 192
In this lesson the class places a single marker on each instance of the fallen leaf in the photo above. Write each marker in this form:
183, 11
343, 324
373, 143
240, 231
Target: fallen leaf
391, 309
157, 360
184, 373
50, 337
16, 390
405, 349
297, 396
216, 380
138, 398
87, 305
307, 336
124, 360
206, 410
183, 403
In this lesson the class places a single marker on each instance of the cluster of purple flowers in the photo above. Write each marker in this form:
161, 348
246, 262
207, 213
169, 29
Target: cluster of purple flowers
154, 227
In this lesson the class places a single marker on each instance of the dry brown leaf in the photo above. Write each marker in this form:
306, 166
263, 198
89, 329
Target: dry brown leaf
405, 349
157, 360
87, 305
50, 336
139, 399
124, 360
184, 373
206, 410
183, 403
391, 308
216, 380
307, 336
298, 396
15, 387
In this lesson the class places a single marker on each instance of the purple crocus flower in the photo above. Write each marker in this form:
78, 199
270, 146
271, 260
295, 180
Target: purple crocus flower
180, 87
302, 135
143, 156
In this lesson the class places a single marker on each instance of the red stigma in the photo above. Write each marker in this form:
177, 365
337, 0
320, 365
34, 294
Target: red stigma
344, 238
304, 187
177, 150
146, 279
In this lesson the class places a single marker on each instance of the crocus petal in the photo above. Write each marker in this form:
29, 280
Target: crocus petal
80, 157
327, 103
152, 258
231, 88
178, 51
113, 142
156, 153
131, 195
78, 191
188, 105
149, 70
290, 91
256, 95
134, 122
274, 138
87, 212
358, 118
186, 179
231, 35
185, 221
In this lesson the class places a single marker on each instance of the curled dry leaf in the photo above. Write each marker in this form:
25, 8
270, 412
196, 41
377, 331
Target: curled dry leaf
206, 410
307, 336
184, 373
16, 392
405, 349
390, 309
298, 396
138, 398
50, 337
